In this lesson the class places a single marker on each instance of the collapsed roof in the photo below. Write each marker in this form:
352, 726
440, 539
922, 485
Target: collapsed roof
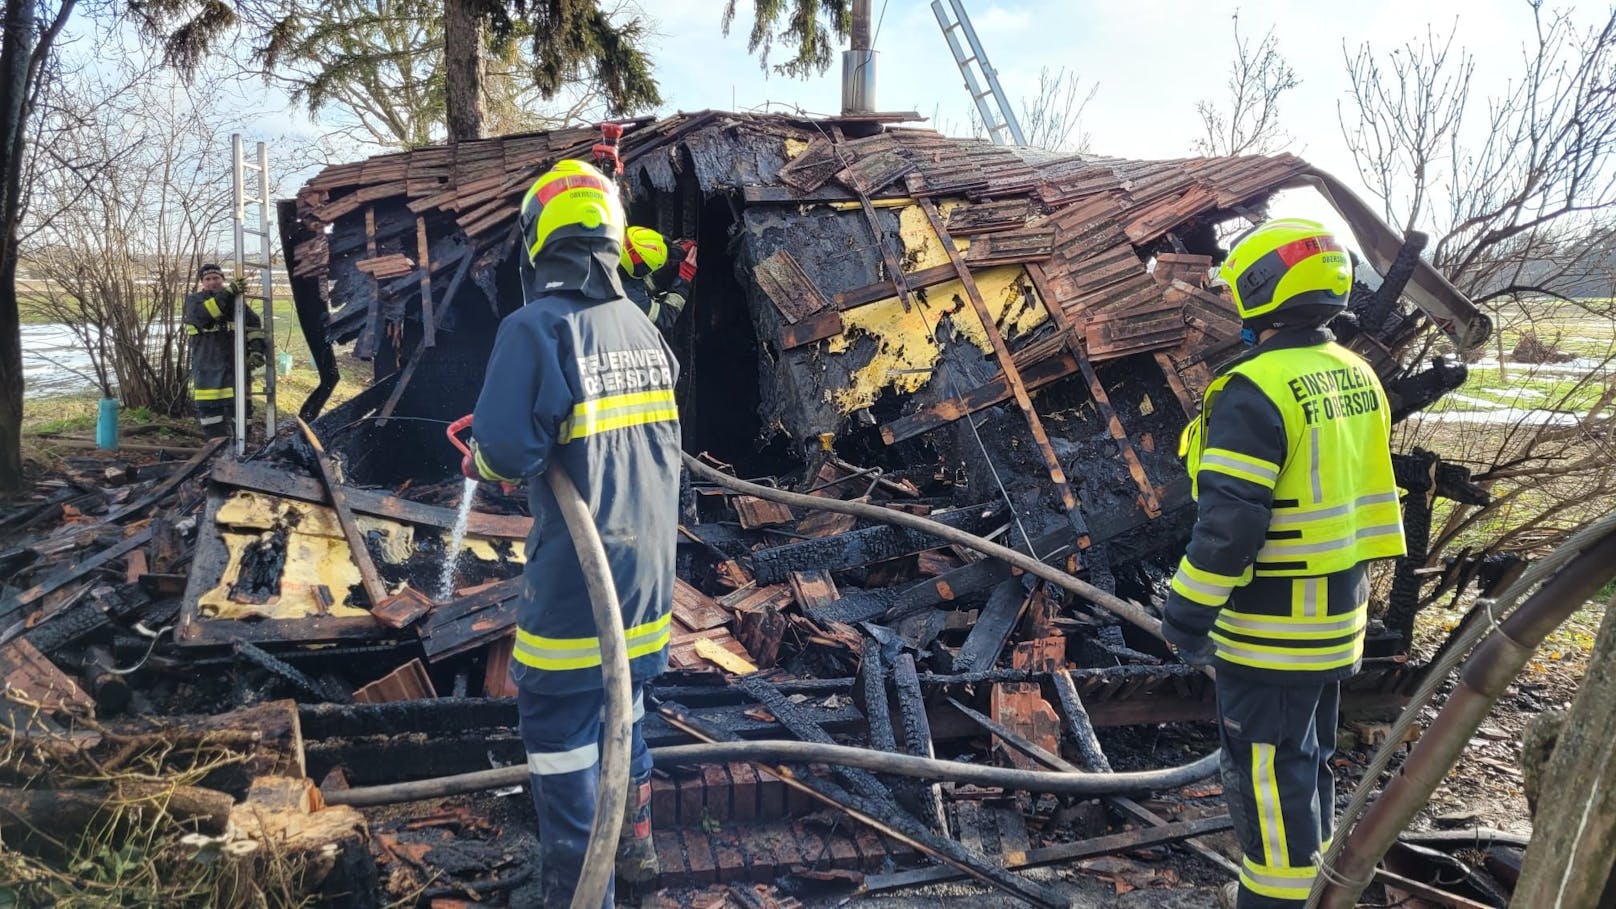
863, 287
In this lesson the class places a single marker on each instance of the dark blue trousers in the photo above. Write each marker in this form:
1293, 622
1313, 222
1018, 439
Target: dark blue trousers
561, 733
1277, 744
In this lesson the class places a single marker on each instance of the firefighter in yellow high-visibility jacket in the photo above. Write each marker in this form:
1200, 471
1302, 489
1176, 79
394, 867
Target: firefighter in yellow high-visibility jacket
1291, 466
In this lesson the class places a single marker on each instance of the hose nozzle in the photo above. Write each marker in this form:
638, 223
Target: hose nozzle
455, 429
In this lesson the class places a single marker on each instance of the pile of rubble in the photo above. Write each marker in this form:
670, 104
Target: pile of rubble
1004, 342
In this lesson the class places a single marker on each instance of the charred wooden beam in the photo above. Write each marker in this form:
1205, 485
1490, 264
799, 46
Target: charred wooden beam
992, 629
1036, 375
1148, 501
950, 588
376, 595
863, 547
1092, 756
268, 479
14, 604
171, 482
878, 814
1110, 844
872, 688
1040, 438
416, 356
288, 673
917, 740
803, 726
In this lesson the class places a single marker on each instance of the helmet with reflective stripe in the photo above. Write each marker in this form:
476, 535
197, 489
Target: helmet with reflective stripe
644, 251
570, 199
1287, 265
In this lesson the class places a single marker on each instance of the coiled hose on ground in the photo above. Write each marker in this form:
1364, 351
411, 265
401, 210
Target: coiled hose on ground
1084, 784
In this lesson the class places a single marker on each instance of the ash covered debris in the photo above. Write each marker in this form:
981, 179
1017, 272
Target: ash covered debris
1007, 342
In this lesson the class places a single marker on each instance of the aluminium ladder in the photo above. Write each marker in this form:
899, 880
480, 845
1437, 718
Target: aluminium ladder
265, 295
1001, 125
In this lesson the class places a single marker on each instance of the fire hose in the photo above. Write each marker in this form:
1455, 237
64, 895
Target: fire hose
617, 722
1059, 783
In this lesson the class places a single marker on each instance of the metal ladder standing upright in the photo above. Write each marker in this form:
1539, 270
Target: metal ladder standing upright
1001, 125
266, 285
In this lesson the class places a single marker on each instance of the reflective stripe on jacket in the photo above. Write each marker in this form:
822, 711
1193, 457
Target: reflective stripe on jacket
586, 385
1335, 500
1291, 468
210, 321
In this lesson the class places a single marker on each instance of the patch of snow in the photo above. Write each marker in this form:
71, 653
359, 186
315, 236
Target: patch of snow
1505, 416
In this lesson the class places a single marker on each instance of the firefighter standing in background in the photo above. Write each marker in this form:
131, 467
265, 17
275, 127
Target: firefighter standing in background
1292, 472
210, 321
579, 380
658, 288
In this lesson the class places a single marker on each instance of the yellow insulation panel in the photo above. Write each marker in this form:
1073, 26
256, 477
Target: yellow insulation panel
906, 353
317, 554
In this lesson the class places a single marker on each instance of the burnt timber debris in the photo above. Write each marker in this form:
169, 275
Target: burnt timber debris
1005, 341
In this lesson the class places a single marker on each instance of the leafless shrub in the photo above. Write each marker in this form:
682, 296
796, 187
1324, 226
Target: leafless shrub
138, 199
1259, 76
1518, 192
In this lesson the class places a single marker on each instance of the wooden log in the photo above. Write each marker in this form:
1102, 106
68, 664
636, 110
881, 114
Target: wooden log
66, 814
267, 736
325, 844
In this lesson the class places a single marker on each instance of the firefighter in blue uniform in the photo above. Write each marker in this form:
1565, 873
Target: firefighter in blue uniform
209, 315
579, 380
1291, 465
660, 288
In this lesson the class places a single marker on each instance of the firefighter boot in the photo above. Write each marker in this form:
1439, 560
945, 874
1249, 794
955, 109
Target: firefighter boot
636, 857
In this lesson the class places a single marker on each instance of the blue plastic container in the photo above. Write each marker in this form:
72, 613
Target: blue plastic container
106, 425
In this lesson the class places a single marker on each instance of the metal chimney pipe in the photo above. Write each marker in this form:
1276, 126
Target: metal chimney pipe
858, 65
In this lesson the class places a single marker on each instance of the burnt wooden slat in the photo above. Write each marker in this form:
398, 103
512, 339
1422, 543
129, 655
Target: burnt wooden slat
429, 325
861, 547
370, 340
824, 324
1147, 492
987, 638
264, 478
794, 294
1061, 853
885, 290
466, 622
1057, 474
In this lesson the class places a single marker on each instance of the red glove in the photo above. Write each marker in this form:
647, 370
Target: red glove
687, 268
